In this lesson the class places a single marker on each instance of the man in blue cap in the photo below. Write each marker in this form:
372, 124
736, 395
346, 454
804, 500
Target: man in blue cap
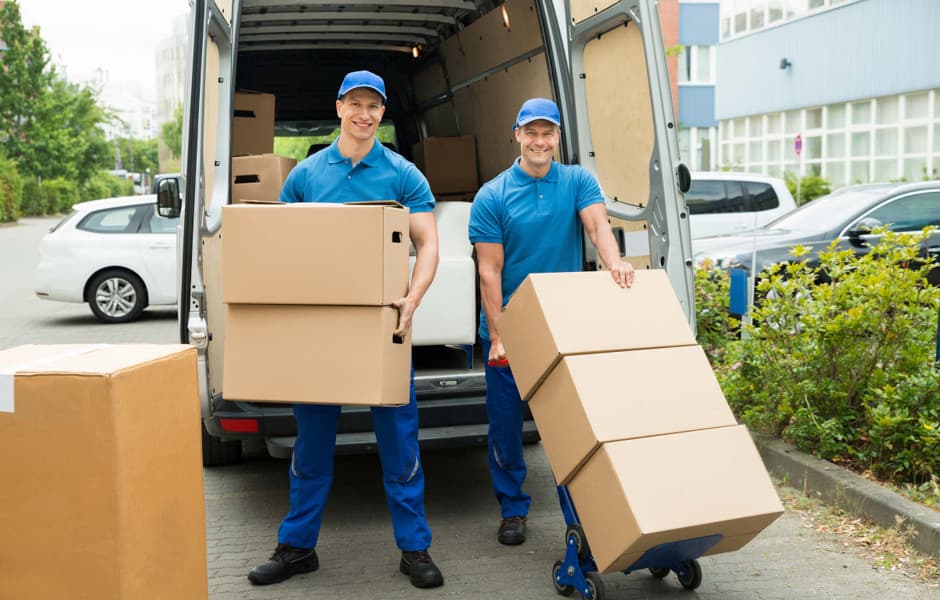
528, 220
358, 167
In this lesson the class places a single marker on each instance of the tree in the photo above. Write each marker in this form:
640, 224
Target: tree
171, 132
138, 155
24, 79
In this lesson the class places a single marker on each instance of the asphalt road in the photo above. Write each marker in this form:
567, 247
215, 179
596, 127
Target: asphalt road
245, 503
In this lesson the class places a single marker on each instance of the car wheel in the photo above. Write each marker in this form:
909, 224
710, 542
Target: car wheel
117, 296
218, 453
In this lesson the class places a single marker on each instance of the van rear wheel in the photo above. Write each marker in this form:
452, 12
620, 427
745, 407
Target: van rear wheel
218, 453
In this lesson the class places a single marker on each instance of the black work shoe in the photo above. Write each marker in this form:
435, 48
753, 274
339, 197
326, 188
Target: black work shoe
285, 562
512, 531
422, 570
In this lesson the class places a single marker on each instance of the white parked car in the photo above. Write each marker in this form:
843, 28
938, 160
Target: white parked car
118, 255
723, 202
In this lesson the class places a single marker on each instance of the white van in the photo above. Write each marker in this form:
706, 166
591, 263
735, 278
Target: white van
451, 67
726, 202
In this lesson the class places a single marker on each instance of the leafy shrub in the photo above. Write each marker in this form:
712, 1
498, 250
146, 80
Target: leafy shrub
714, 326
58, 195
11, 191
32, 203
846, 369
811, 187
97, 187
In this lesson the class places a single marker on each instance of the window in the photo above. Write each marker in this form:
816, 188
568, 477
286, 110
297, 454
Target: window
835, 145
886, 170
887, 110
915, 169
158, 224
813, 148
915, 106
775, 11
859, 171
835, 116
860, 143
112, 220
755, 125
886, 141
915, 140
773, 123
754, 152
757, 16
835, 173
706, 197
695, 64
814, 118
761, 195
792, 120
813, 4
910, 213
861, 113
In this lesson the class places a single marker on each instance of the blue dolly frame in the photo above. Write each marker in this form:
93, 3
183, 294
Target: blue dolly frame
578, 571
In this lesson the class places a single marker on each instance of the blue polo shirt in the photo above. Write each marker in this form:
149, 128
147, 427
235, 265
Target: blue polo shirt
382, 174
536, 220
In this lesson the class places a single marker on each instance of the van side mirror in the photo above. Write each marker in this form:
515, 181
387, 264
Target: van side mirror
683, 178
168, 198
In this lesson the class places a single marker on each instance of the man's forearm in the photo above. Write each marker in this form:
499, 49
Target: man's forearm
491, 295
426, 260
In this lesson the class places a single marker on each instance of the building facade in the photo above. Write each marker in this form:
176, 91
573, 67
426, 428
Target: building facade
170, 63
857, 80
696, 77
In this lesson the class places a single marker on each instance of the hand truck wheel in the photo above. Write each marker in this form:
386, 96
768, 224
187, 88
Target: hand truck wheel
690, 575
564, 590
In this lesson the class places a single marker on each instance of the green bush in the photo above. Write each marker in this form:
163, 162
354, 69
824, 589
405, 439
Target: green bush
119, 187
846, 369
32, 203
811, 187
59, 195
97, 187
11, 191
715, 328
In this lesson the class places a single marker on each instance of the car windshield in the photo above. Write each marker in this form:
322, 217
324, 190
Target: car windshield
822, 214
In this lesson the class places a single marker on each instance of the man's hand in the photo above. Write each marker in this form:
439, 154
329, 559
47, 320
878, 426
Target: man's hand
622, 272
497, 352
406, 309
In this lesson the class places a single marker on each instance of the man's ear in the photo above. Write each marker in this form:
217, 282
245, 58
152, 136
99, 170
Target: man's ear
339, 103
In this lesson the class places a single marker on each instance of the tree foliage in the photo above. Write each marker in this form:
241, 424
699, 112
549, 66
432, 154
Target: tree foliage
171, 133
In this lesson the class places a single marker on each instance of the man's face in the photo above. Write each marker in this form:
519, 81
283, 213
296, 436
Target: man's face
537, 141
360, 112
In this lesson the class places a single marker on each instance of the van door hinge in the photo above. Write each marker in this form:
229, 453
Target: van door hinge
198, 334
582, 76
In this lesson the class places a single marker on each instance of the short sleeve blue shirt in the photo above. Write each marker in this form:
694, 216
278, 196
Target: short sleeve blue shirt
327, 176
536, 220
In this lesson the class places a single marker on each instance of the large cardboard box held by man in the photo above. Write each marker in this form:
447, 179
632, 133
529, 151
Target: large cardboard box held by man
563, 314
253, 123
101, 491
315, 253
316, 355
449, 163
591, 399
259, 178
636, 494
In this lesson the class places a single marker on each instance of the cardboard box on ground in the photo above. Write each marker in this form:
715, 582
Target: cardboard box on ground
102, 492
631, 416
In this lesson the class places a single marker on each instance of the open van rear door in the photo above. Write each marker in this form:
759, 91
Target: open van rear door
625, 132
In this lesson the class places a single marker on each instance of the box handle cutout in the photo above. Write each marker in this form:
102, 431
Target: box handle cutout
398, 339
247, 179
245, 114
396, 237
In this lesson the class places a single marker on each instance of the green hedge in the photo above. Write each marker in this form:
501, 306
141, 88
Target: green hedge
59, 195
845, 369
11, 191
32, 203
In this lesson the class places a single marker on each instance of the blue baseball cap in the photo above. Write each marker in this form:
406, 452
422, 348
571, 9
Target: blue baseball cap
362, 79
538, 109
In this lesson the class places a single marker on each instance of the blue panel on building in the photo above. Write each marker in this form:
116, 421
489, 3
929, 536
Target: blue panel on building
862, 49
697, 106
698, 24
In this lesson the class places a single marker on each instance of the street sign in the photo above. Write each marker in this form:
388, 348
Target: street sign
798, 144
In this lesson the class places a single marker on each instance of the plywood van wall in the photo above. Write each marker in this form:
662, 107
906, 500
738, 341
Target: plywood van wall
488, 109
582, 9
620, 113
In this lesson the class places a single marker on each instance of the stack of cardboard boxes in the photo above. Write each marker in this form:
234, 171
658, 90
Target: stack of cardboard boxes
631, 416
101, 477
304, 320
257, 173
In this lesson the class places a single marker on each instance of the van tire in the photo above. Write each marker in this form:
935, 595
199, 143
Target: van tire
218, 453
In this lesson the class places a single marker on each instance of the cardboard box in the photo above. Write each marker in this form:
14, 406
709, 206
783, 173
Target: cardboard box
562, 314
637, 494
101, 490
253, 123
592, 399
315, 355
447, 313
259, 178
315, 253
449, 163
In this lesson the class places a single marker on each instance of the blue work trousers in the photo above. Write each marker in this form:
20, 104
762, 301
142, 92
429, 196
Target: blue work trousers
507, 464
311, 473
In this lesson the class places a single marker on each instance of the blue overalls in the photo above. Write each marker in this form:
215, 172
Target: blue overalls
329, 177
537, 222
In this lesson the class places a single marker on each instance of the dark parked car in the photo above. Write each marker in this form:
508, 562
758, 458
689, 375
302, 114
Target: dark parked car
847, 215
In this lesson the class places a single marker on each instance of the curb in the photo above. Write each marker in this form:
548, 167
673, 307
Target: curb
838, 486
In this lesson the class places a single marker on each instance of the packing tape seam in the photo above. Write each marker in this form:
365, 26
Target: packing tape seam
8, 374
